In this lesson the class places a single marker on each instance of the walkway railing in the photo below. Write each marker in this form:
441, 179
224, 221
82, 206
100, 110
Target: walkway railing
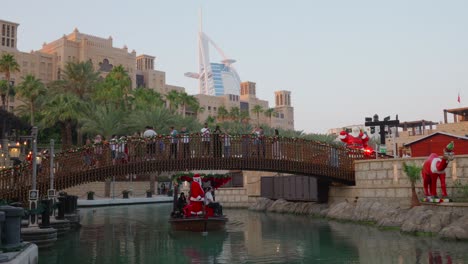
192, 152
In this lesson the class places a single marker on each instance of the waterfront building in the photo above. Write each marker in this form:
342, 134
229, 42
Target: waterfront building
48, 62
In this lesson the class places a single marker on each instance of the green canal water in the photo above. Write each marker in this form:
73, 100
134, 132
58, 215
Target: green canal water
141, 234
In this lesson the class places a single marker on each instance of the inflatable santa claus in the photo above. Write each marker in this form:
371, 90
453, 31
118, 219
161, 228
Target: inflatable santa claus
356, 139
197, 197
433, 169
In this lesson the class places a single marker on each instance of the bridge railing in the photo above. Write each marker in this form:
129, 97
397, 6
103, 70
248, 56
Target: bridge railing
217, 151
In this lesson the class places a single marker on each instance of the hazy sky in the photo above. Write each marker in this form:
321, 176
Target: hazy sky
342, 60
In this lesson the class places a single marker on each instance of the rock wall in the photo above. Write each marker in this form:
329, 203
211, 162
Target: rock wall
446, 221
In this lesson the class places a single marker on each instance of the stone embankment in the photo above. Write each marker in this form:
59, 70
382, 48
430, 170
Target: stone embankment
446, 221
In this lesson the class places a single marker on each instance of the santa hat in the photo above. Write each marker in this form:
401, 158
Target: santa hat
197, 178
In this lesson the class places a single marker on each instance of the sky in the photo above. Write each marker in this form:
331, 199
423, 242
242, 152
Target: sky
342, 60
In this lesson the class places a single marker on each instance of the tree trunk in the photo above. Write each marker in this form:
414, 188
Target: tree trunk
69, 141
414, 197
152, 180
4, 101
63, 135
32, 113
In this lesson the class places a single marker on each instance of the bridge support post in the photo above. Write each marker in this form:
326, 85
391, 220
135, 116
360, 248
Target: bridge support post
152, 182
107, 187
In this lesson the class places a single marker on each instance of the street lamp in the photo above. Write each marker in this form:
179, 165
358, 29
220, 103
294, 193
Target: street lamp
14, 152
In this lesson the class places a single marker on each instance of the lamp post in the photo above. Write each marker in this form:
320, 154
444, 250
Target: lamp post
33, 193
51, 191
14, 152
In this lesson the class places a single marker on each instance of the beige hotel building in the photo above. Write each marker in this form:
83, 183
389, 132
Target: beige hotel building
47, 62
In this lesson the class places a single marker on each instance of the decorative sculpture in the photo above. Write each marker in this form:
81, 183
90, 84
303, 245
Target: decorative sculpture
197, 197
356, 140
433, 169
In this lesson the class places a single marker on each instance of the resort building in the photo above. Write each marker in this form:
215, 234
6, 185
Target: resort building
220, 85
48, 62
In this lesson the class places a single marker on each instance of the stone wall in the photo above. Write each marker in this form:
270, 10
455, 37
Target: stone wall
384, 181
232, 197
138, 189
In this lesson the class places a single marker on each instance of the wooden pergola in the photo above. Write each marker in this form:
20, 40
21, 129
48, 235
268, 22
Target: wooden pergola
459, 114
421, 124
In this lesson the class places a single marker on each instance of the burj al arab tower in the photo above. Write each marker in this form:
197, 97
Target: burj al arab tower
214, 78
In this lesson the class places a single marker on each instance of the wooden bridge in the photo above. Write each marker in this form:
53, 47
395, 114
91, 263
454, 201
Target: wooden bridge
187, 153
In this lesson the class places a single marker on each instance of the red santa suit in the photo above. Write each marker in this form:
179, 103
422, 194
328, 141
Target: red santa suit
197, 197
433, 168
355, 139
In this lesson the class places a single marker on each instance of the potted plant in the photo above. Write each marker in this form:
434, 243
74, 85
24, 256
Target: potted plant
149, 193
90, 195
414, 173
125, 194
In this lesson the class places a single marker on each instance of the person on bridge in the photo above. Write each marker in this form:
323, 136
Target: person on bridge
206, 137
217, 143
185, 142
149, 136
174, 141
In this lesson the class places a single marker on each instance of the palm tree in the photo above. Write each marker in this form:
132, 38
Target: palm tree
160, 119
173, 97
414, 173
234, 114
257, 109
144, 98
187, 100
269, 113
63, 109
8, 65
123, 81
79, 78
222, 113
244, 116
105, 121
210, 120
4, 87
30, 89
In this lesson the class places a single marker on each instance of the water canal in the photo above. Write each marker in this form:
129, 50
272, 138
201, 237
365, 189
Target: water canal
141, 234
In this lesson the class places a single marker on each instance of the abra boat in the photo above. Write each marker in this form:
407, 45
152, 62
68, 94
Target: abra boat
198, 224
201, 223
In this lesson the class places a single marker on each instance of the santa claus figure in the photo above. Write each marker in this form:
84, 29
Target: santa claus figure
356, 139
433, 169
197, 197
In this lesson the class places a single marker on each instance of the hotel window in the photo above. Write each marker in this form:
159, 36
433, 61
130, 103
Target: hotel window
3, 29
209, 108
12, 31
3, 41
8, 31
12, 43
8, 42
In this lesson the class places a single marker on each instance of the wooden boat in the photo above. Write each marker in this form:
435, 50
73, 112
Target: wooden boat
201, 223
198, 224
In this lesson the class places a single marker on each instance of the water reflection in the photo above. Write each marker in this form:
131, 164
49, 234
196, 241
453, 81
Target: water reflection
141, 234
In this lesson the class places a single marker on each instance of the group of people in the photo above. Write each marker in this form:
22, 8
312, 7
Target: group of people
215, 143
201, 201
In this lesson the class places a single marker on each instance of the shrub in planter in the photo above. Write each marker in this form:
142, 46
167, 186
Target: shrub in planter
90, 195
170, 192
125, 194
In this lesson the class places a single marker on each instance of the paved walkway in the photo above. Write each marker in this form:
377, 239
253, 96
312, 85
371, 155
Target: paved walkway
121, 201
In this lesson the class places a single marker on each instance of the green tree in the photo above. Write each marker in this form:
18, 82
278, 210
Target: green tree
123, 81
144, 98
244, 116
79, 78
414, 174
269, 113
235, 113
173, 97
257, 109
30, 90
187, 100
8, 65
222, 113
105, 121
64, 110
